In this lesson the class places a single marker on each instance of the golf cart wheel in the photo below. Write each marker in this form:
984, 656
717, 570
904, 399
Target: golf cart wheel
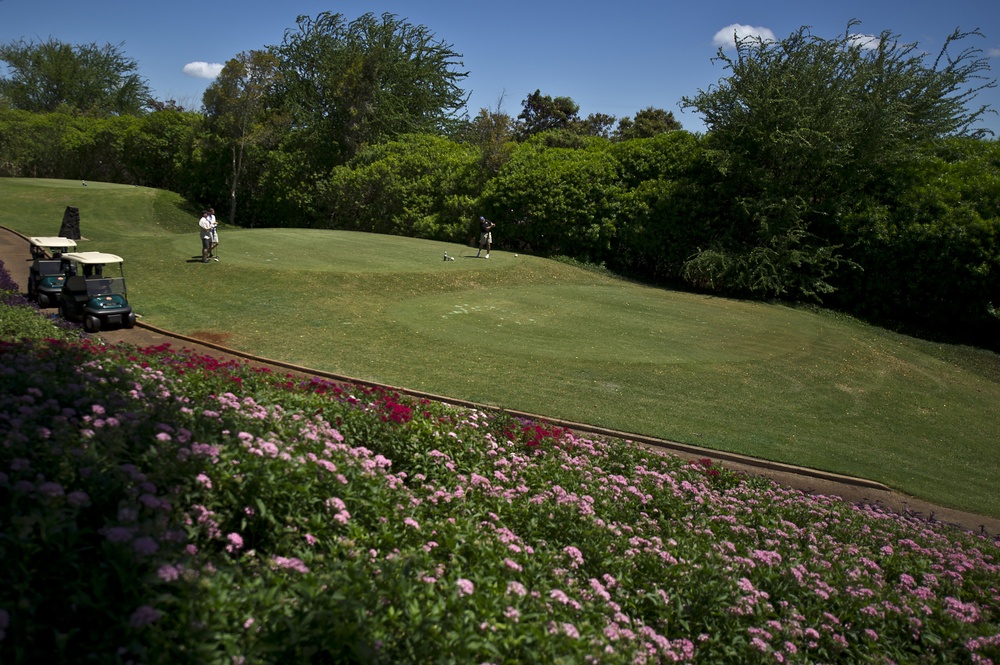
130, 320
43, 300
91, 324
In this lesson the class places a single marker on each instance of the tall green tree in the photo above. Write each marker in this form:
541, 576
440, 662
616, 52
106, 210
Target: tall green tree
240, 108
540, 113
804, 130
90, 78
344, 85
368, 80
492, 131
648, 123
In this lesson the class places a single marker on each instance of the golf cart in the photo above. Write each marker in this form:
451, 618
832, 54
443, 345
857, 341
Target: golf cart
48, 269
94, 292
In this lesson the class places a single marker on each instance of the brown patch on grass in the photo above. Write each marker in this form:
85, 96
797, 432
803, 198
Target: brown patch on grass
211, 337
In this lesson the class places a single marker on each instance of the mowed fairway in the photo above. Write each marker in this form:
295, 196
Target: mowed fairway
776, 382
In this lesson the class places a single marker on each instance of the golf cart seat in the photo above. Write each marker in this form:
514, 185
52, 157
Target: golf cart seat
76, 286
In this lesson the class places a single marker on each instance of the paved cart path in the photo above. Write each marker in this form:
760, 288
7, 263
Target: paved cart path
14, 253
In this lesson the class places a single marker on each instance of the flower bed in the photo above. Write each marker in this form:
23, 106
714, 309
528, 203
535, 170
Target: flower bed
159, 506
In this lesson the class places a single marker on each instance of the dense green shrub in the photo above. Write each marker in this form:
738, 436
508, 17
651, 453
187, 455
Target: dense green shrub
420, 186
930, 254
558, 200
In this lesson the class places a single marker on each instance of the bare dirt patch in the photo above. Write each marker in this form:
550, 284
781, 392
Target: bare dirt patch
211, 337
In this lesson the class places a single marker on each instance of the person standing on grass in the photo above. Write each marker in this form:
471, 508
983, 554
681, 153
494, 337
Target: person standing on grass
205, 226
485, 236
215, 235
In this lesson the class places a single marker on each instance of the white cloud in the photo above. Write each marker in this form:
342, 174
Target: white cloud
993, 53
726, 38
203, 70
865, 42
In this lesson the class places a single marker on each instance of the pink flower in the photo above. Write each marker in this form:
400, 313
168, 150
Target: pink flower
575, 555
145, 545
516, 588
143, 616
204, 480
118, 534
235, 542
168, 573
465, 587
291, 563
78, 499
51, 490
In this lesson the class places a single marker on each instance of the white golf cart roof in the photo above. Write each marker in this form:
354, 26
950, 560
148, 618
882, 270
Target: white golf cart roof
50, 241
93, 258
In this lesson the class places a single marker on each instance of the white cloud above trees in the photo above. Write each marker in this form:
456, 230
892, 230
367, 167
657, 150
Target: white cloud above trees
203, 70
728, 36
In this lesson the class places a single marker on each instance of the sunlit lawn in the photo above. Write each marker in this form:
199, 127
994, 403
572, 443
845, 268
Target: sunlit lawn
524, 333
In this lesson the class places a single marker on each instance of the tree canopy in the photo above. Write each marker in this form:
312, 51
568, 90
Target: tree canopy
648, 123
89, 78
804, 129
239, 107
541, 113
368, 80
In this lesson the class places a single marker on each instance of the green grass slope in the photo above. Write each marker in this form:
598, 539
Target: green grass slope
775, 382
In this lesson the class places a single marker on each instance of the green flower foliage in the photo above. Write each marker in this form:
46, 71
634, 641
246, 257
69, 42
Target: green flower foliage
165, 507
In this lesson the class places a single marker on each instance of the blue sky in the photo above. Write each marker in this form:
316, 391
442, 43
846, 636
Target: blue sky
610, 57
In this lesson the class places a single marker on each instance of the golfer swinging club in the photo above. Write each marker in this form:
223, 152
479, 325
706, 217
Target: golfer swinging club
485, 236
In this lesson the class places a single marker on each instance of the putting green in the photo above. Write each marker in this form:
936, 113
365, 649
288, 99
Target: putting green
324, 250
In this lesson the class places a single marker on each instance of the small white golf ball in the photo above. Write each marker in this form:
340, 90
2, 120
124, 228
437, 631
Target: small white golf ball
515, 255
